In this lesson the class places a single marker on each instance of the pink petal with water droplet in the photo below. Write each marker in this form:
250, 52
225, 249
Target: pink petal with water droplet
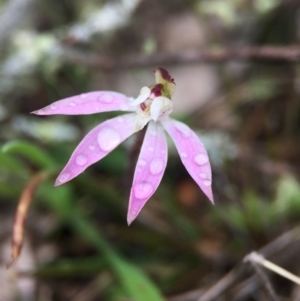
149, 170
88, 103
97, 144
192, 153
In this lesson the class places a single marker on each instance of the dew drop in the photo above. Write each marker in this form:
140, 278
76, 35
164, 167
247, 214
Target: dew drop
41, 112
156, 166
64, 177
92, 147
83, 96
183, 155
72, 104
151, 149
108, 138
81, 160
202, 175
53, 107
105, 97
184, 129
201, 159
207, 182
133, 211
142, 162
143, 190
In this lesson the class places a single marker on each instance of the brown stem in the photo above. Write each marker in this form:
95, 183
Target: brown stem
215, 55
22, 213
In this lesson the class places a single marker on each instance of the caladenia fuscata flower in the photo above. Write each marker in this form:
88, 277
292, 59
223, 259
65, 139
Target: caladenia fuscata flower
151, 107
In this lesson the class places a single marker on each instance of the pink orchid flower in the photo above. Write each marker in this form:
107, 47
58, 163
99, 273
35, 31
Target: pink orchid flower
152, 106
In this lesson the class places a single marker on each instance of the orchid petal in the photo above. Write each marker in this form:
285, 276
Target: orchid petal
192, 153
149, 170
88, 103
144, 94
140, 121
156, 107
97, 144
160, 105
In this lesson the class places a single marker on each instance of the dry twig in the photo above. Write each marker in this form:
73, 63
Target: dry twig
276, 246
214, 55
22, 213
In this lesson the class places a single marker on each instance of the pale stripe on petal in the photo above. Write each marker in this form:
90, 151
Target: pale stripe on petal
88, 103
97, 144
192, 153
149, 170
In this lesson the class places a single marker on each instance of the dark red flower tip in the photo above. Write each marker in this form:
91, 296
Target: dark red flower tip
165, 74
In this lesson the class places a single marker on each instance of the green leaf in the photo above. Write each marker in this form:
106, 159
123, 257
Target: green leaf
30, 151
59, 199
137, 285
134, 281
71, 267
6, 190
12, 164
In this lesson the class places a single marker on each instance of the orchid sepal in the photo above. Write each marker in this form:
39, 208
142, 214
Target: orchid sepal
88, 103
192, 154
98, 143
149, 170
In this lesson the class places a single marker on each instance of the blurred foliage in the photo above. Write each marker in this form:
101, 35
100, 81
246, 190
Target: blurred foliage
79, 243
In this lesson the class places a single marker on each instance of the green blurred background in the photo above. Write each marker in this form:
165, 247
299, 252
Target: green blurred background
247, 113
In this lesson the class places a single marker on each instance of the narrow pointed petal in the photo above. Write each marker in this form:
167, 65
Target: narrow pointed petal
88, 103
192, 153
97, 144
149, 170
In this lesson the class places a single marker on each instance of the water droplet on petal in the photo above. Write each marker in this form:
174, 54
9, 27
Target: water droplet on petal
64, 177
83, 96
142, 162
72, 104
81, 160
108, 138
124, 107
184, 129
105, 97
156, 166
151, 149
120, 119
183, 155
143, 190
92, 147
202, 175
201, 159
207, 182
41, 112
53, 107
